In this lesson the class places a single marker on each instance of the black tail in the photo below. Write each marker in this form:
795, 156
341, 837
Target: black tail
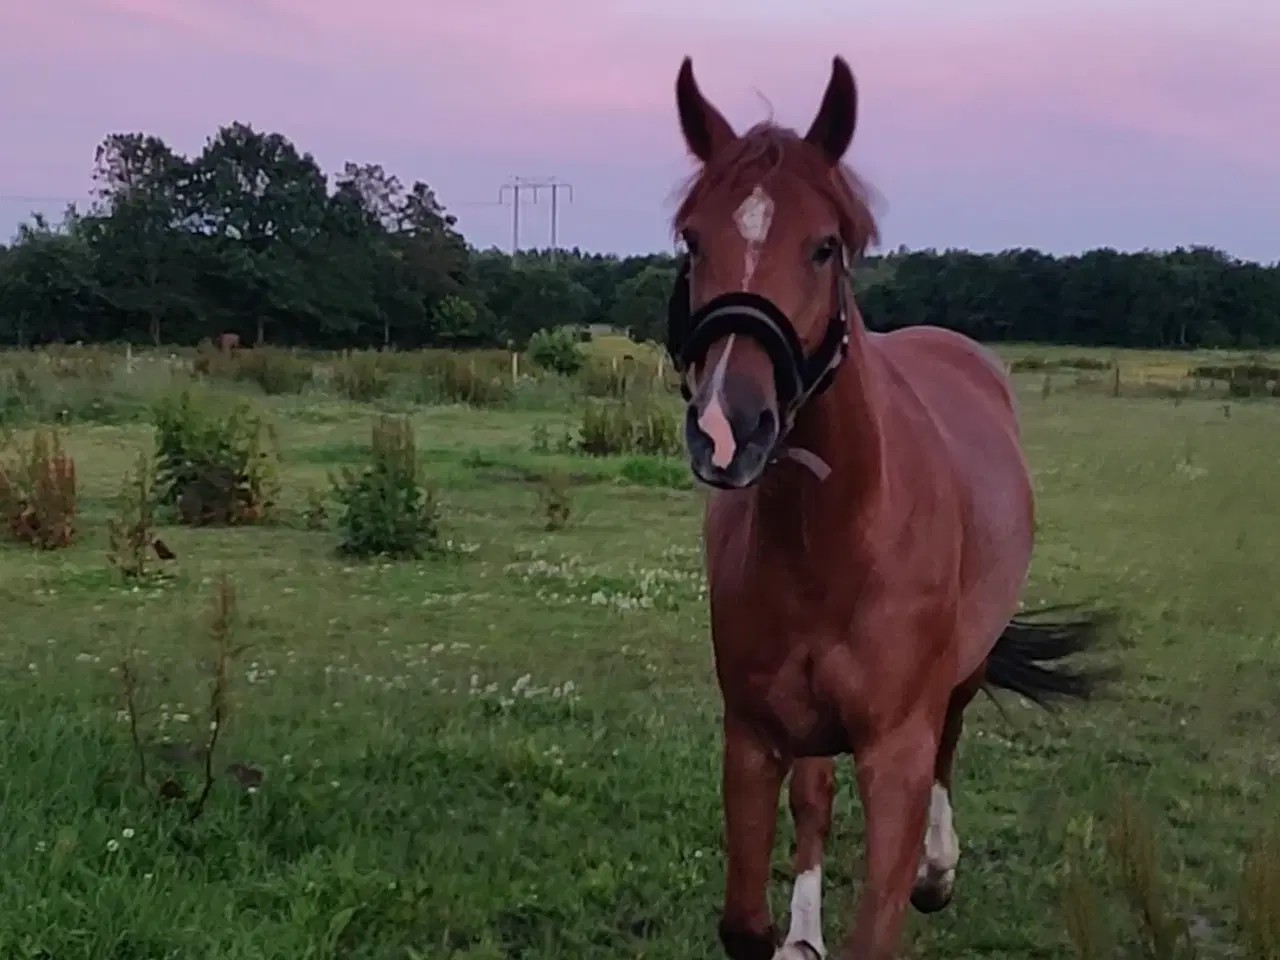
1025, 658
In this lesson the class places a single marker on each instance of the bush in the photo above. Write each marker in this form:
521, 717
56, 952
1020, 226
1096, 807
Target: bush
1250, 378
212, 361
38, 500
556, 500
387, 509
215, 469
131, 533
619, 377
1116, 892
557, 350
454, 378
1033, 363
360, 378
629, 426
275, 371
57, 388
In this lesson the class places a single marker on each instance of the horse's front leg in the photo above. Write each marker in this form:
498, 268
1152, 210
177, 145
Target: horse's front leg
813, 790
751, 784
895, 774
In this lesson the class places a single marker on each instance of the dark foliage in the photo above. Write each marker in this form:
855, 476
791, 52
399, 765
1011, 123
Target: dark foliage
250, 238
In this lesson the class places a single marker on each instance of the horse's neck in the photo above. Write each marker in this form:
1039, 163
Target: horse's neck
842, 427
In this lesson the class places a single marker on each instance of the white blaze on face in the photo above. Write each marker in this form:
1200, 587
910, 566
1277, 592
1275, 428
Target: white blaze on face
754, 218
806, 918
714, 421
941, 845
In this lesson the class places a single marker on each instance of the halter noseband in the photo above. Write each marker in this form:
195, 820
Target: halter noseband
797, 378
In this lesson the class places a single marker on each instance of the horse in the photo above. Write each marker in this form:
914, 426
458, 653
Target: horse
867, 532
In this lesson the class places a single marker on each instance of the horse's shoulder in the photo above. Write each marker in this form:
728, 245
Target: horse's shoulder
924, 345
946, 368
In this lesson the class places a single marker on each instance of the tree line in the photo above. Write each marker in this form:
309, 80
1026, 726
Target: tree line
251, 237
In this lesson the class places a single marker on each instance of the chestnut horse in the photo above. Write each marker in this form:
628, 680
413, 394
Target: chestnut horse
868, 536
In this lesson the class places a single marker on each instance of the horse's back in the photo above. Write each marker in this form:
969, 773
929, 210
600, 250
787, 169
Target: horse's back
963, 386
956, 376
969, 400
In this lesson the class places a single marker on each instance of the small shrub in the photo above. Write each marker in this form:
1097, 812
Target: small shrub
599, 378
1132, 845
453, 378
1034, 364
215, 469
1248, 370
177, 785
1259, 910
36, 392
277, 372
621, 426
544, 440
388, 508
90, 364
360, 378
38, 498
211, 361
20, 391
316, 516
556, 501
1159, 927
557, 350
131, 533
541, 438
618, 377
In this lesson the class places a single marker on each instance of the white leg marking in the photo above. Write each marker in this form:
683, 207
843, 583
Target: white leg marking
754, 218
941, 845
806, 919
713, 421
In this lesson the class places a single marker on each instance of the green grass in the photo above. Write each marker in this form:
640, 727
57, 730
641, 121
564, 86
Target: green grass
512, 751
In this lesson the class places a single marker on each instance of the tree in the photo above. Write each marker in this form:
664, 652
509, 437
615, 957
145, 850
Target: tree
248, 236
641, 302
48, 291
143, 197
261, 202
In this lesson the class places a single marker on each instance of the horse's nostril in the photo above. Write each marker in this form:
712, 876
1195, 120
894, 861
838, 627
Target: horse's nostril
766, 426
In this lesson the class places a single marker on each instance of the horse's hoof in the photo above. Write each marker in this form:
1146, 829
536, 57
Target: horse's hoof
931, 896
799, 951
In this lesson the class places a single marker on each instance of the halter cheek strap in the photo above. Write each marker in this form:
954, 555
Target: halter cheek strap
797, 378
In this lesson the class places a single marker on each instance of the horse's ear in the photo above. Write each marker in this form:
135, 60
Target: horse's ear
705, 129
832, 129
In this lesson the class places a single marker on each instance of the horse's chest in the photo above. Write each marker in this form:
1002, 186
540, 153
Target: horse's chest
789, 699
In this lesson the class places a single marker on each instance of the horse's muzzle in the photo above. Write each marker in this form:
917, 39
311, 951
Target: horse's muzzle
730, 436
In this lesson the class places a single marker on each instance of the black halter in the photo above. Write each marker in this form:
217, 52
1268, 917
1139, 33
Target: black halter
797, 378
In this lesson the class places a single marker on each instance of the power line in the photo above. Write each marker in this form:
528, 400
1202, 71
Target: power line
533, 185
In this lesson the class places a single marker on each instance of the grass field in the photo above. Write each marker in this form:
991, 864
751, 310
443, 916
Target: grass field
511, 751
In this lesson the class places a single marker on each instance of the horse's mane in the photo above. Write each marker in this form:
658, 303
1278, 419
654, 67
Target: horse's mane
766, 149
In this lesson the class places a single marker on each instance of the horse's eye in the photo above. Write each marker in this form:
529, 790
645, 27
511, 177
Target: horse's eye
690, 242
825, 250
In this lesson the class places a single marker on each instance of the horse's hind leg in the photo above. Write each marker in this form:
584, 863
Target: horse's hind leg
812, 794
936, 874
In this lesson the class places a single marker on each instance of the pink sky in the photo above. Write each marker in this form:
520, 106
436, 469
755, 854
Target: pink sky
1060, 124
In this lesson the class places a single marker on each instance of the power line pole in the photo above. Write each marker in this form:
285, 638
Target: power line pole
534, 185
514, 186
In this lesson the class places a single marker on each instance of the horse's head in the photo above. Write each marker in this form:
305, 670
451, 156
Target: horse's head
759, 314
